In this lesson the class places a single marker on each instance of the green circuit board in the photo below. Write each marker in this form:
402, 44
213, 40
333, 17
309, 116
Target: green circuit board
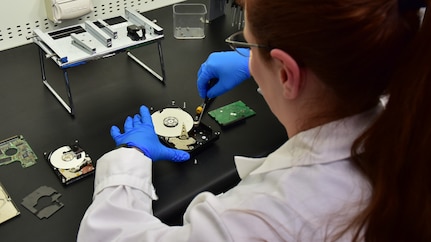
231, 113
16, 149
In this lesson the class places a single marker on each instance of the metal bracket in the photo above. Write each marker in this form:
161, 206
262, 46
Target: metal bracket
108, 29
83, 42
140, 20
98, 33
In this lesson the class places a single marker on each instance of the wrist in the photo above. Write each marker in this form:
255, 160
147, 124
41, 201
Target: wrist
130, 146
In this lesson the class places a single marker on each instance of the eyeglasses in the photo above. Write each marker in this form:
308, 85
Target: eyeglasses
238, 43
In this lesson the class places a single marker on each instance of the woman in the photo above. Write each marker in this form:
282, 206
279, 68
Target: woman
352, 170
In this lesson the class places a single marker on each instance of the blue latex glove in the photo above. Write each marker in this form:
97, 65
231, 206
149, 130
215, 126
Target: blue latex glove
229, 67
139, 133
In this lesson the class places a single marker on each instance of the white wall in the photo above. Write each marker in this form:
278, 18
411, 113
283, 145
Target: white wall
18, 18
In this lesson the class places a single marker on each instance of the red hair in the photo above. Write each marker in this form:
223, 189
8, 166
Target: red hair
362, 49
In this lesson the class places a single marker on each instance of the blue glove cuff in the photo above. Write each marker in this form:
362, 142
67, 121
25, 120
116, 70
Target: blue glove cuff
133, 145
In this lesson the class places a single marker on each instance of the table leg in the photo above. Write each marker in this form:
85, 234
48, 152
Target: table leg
161, 78
69, 107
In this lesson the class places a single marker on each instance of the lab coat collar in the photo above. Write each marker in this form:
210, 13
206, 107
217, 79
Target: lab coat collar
327, 143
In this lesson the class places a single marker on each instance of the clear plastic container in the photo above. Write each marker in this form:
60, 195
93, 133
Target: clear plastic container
189, 20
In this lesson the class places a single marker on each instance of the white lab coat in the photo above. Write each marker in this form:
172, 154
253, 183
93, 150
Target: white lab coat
304, 191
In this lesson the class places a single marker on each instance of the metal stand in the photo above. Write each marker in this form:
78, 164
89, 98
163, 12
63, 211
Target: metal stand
69, 106
86, 42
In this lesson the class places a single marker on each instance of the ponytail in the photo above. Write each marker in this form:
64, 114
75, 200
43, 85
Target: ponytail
395, 152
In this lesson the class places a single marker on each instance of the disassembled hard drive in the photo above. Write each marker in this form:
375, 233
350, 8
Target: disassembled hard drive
70, 163
175, 128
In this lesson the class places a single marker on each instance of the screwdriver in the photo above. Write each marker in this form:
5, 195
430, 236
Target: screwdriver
201, 108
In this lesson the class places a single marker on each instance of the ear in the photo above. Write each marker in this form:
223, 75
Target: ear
289, 73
